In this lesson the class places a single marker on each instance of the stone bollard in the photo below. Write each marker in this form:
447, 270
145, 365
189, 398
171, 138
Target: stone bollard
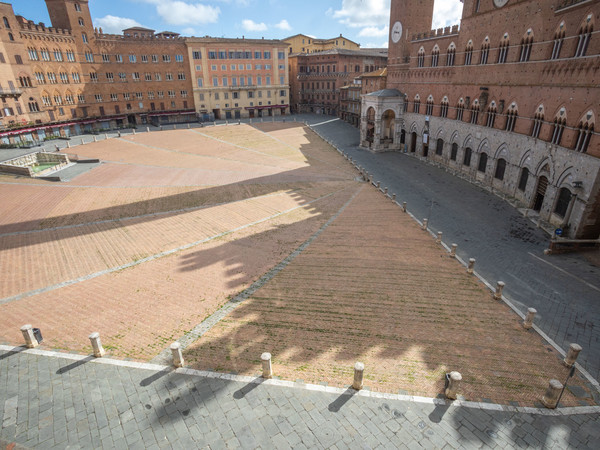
188, 126
528, 322
57, 148
95, 138
147, 129
394, 197
499, 288
385, 191
82, 142
471, 267
96, 345
378, 184
404, 206
160, 128
572, 355
30, 340
133, 130
453, 250
119, 133
174, 127
359, 370
227, 122
250, 120
266, 365
454, 379
177, 354
439, 238
68, 144
550, 398
105, 136
424, 225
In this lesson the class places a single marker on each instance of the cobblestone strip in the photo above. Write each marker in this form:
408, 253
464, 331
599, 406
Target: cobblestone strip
211, 321
155, 256
164, 368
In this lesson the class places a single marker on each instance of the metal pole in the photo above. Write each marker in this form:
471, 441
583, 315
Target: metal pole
571, 373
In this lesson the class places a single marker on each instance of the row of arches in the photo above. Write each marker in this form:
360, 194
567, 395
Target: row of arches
527, 176
523, 48
463, 111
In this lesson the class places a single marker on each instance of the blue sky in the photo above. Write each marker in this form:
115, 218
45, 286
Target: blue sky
363, 21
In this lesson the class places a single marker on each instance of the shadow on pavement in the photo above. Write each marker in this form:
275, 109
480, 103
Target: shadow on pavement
241, 393
152, 378
14, 351
344, 398
74, 365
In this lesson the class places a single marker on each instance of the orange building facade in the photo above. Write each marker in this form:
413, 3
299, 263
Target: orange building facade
508, 101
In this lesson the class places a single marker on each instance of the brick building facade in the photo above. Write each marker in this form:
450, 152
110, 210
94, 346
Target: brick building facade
509, 101
316, 78
302, 43
72, 77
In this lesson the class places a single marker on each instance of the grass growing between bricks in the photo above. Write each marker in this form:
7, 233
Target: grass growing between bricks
375, 288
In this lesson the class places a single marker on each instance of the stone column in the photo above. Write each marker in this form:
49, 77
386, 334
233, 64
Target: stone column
30, 340
550, 398
359, 369
528, 322
454, 380
453, 250
471, 267
177, 354
266, 365
499, 288
572, 355
96, 345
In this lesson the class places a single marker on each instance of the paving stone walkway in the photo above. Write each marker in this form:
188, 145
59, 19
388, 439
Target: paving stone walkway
72, 401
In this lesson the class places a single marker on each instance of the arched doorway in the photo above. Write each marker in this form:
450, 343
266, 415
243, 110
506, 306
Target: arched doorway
402, 136
413, 142
439, 147
540, 192
370, 124
388, 125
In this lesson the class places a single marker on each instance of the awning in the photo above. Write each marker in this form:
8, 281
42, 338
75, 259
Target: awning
172, 113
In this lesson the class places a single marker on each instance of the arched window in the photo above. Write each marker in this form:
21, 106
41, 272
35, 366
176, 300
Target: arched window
503, 49
450, 54
584, 132
467, 157
454, 151
417, 104
523, 179
559, 126
81, 22
511, 117
77, 7
491, 115
460, 109
6, 23
405, 103
444, 107
485, 50
475, 112
84, 38
500, 169
482, 162
11, 37
585, 35
538, 119
469, 53
559, 37
421, 57
526, 44
439, 147
562, 203
435, 56
429, 107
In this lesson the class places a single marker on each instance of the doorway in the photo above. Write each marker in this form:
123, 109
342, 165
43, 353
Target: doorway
540, 192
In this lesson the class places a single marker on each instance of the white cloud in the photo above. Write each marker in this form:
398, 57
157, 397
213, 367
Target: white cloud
250, 25
283, 25
375, 45
374, 31
178, 12
363, 13
446, 13
115, 25
189, 31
